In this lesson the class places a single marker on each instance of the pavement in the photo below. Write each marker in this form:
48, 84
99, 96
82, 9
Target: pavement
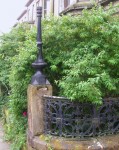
3, 144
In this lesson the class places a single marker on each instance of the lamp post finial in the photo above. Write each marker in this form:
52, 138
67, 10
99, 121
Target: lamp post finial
39, 78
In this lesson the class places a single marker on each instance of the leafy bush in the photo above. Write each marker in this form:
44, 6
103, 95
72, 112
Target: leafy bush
15, 126
9, 43
82, 54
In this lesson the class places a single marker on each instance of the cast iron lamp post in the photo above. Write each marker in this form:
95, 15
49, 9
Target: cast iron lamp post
39, 78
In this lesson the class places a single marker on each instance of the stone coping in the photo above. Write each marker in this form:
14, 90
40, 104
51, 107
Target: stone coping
88, 4
78, 6
45, 142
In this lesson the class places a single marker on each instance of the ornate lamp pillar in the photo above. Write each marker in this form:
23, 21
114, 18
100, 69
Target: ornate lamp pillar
36, 90
39, 78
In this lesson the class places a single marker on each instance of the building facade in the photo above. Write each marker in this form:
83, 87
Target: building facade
54, 7
58, 7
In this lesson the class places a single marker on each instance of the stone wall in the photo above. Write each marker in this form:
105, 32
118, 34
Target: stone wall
37, 140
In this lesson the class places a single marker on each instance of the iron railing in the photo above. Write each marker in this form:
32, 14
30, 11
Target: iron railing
78, 120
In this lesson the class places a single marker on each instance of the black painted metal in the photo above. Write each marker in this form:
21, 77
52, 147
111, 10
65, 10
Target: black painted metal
78, 120
38, 78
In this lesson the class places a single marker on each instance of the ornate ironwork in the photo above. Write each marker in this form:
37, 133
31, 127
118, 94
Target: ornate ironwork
78, 120
39, 64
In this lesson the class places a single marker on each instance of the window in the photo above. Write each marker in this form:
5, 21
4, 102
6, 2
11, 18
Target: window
37, 4
46, 7
32, 12
28, 14
52, 6
64, 4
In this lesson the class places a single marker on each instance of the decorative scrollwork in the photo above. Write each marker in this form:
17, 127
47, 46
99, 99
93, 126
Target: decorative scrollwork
78, 120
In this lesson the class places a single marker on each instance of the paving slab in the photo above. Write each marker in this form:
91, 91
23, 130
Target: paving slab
3, 144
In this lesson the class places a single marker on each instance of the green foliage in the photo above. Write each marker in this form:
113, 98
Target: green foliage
12, 78
9, 43
16, 131
19, 78
82, 54
3, 101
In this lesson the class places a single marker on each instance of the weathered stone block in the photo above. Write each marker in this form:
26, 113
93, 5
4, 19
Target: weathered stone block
36, 107
100, 143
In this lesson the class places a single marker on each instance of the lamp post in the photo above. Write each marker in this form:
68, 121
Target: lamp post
39, 78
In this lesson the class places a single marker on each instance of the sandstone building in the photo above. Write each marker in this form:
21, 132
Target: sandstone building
58, 7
